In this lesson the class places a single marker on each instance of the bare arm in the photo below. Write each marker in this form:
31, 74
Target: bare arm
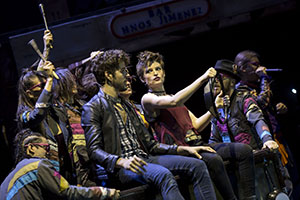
202, 122
48, 38
151, 102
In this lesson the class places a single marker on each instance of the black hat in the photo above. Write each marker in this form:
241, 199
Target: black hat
227, 67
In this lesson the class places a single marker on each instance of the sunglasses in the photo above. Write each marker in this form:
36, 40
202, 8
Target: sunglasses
43, 145
257, 64
221, 76
41, 85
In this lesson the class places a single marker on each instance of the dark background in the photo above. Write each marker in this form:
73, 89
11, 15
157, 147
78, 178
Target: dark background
274, 37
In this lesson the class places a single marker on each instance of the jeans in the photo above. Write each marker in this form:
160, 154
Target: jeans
243, 155
160, 172
218, 174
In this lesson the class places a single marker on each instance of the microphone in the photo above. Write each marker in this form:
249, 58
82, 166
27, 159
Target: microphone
226, 106
274, 70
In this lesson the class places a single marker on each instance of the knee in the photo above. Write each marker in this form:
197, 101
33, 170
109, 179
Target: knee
245, 151
165, 174
216, 162
199, 167
166, 179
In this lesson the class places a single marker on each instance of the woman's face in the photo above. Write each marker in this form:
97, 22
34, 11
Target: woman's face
36, 89
154, 75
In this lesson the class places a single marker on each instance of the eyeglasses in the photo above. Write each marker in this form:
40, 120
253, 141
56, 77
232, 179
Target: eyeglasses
41, 85
45, 146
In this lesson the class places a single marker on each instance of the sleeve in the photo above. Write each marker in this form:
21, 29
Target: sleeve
264, 96
255, 116
35, 116
50, 180
91, 122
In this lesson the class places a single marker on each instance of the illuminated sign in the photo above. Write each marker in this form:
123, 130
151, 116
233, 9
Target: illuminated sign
158, 17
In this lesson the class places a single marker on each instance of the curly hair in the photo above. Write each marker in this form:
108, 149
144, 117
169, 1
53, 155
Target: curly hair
23, 138
90, 86
146, 58
108, 62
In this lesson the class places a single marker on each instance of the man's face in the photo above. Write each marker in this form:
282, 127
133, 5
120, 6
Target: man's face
119, 80
128, 92
39, 149
226, 80
249, 70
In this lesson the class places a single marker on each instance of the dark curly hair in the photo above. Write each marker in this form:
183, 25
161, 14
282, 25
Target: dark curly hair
23, 138
146, 58
108, 61
89, 85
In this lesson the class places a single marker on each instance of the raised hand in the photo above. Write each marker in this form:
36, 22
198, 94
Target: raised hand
48, 39
210, 73
48, 67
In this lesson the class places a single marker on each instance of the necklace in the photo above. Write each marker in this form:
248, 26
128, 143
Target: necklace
158, 93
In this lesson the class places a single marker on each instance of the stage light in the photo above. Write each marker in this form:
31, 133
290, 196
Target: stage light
294, 91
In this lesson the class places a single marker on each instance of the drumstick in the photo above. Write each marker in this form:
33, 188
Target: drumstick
36, 49
44, 16
79, 63
45, 20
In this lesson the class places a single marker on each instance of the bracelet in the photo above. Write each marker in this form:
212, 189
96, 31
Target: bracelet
41, 105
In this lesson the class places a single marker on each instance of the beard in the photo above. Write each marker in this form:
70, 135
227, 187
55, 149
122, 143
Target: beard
121, 87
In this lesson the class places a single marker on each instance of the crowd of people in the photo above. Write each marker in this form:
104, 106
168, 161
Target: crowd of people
82, 137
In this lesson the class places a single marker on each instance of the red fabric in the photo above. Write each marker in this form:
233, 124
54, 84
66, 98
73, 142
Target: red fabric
174, 122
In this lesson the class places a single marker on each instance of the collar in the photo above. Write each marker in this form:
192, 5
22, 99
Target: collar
158, 93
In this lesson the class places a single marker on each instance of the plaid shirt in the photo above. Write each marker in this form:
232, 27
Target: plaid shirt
129, 141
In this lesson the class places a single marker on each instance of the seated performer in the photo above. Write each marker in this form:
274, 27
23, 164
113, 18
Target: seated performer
37, 177
239, 120
118, 140
175, 124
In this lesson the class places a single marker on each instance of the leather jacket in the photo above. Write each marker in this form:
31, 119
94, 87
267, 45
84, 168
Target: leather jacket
103, 137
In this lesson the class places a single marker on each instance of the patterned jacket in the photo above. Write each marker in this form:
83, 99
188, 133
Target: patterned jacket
39, 179
246, 123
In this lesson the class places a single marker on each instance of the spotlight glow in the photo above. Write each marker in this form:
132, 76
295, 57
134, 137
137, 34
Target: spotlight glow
294, 91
